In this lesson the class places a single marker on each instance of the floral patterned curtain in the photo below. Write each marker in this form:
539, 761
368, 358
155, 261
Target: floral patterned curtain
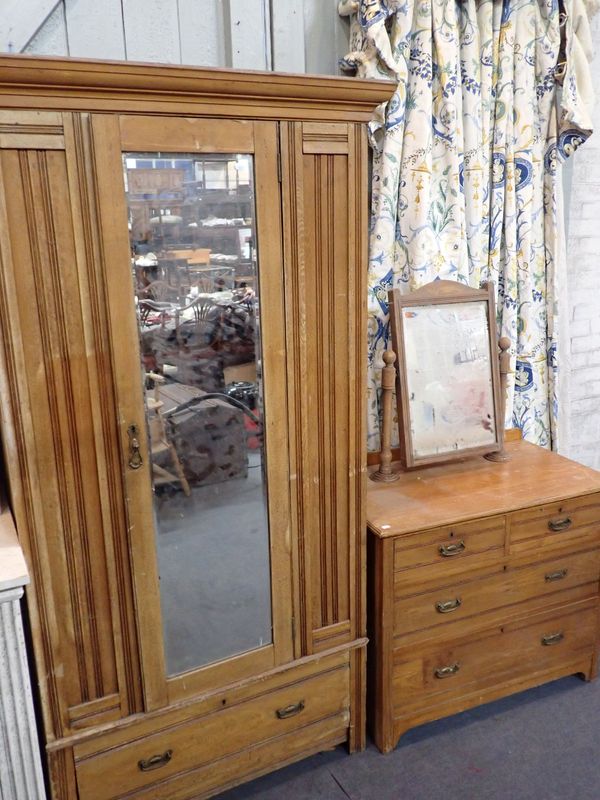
466, 164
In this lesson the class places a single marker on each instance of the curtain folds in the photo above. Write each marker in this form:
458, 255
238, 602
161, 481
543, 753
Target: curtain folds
466, 160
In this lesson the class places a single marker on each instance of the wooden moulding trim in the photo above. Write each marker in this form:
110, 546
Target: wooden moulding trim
71, 77
95, 712
134, 719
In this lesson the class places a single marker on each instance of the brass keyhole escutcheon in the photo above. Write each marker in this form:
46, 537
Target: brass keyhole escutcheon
135, 457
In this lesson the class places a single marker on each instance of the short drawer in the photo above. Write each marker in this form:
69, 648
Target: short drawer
453, 602
505, 652
426, 556
569, 522
161, 756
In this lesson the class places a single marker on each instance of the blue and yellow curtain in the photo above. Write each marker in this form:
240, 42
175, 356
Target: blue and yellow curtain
466, 166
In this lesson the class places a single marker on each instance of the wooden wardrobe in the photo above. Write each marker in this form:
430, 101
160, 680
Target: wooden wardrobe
111, 176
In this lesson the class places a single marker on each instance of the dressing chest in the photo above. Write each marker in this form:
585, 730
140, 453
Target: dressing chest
484, 581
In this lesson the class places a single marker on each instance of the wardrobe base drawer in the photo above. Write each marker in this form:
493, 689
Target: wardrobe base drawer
210, 779
211, 744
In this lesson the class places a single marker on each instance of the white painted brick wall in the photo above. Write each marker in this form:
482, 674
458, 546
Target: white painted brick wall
583, 270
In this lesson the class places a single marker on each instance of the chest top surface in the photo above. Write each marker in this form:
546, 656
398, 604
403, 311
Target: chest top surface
13, 570
451, 493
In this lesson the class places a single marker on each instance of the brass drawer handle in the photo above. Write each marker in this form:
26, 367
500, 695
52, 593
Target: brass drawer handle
154, 762
135, 457
447, 672
449, 605
558, 525
289, 711
454, 549
556, 576
552, 638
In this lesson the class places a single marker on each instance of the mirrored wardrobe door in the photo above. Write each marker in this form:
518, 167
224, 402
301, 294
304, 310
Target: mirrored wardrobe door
196, 297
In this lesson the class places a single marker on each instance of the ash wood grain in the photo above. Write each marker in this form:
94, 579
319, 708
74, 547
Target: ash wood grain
31, 130
433, 294
73, 84
321, 299
297, 367
81, 168
184, 135
512, 649
510, 586
69, 385
61, 774
478, 695
17, 437
205, 781
474, 610
129, 404
136, 727
96, 712
380, 631
121, 304
374, 456
215, 736
445, 495
442, 553
547, 527
51, 311
274, 357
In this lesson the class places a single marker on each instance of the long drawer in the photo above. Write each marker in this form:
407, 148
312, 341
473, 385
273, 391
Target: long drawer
450, 603
520, 648
154, 760
570, 523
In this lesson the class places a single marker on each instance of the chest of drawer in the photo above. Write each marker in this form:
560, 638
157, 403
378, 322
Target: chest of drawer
509, 586
427, 556
568, 523
507, 651
179, 760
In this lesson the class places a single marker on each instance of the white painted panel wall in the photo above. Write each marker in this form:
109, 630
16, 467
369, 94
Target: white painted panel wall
202, 32
95, 29
325, 35
152, 30
51, 38
20, 21
583, 267
286, 35
248, 34
287, 23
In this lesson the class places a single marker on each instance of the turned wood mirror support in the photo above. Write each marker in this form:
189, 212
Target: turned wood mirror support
504, 359
385, 473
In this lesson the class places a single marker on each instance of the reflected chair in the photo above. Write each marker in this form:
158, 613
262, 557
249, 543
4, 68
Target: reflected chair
159, 442
148, 308
200, 317
159, 290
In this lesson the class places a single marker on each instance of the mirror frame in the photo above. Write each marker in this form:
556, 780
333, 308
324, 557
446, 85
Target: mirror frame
441, 292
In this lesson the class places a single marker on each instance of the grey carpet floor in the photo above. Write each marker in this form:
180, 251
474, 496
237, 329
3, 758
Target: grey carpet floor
543, 744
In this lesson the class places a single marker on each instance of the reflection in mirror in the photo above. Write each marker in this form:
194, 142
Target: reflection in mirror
195, 272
